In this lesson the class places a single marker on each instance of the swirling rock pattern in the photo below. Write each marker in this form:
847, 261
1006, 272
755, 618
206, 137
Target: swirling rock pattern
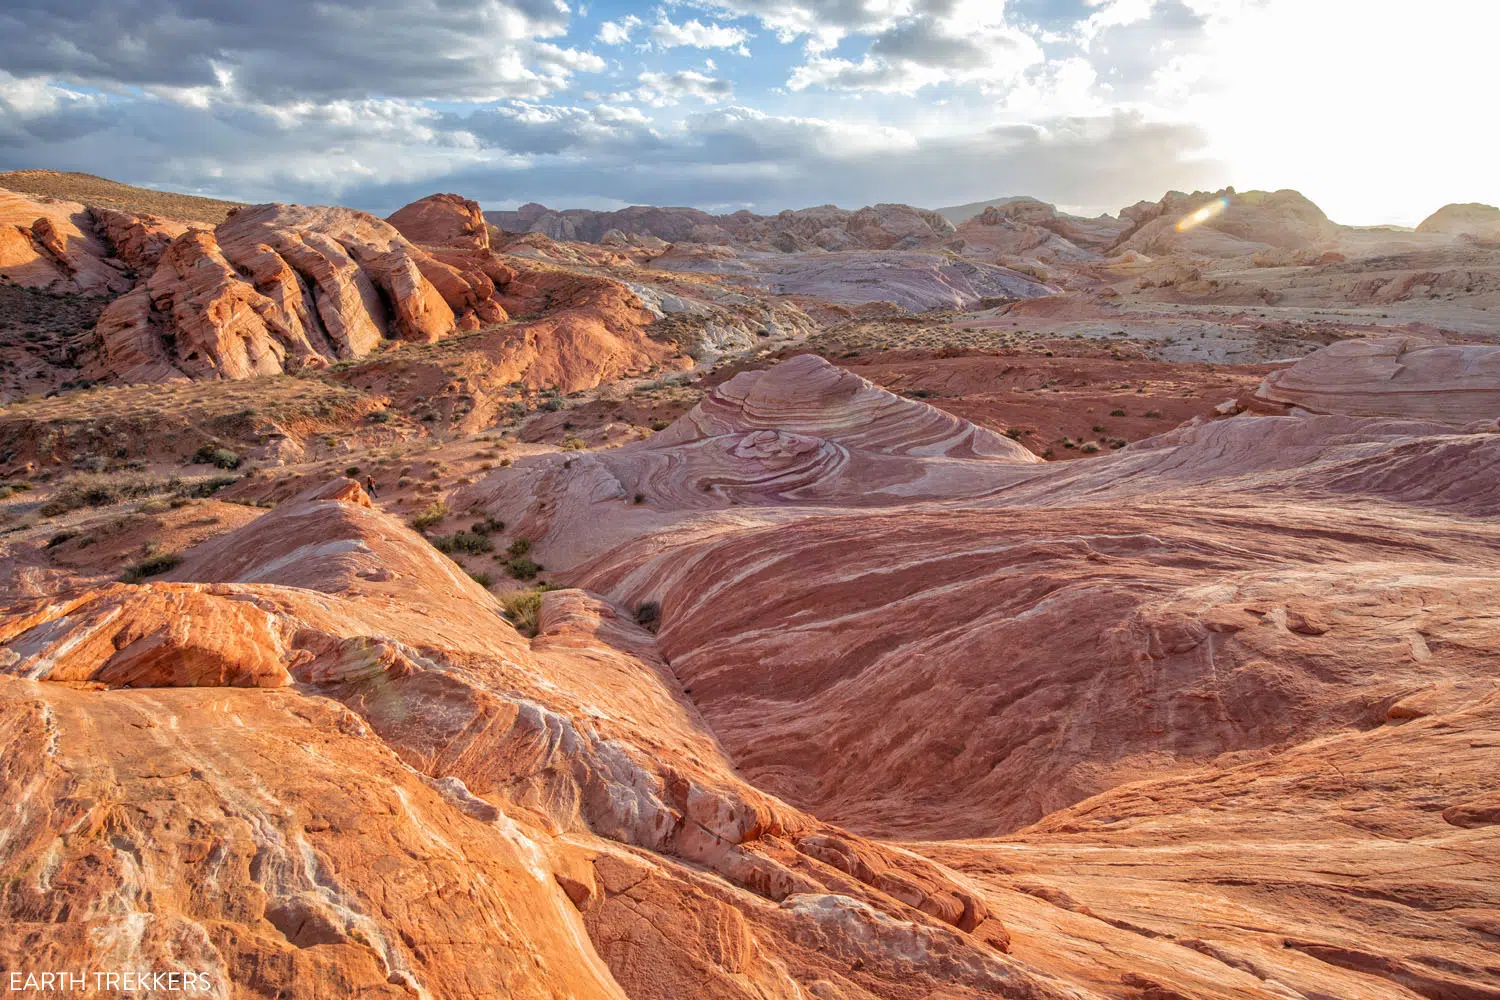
1225, 658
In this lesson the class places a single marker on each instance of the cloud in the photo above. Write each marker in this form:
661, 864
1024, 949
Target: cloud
663, 89
618, 31
963, 44
284, 50
665, 34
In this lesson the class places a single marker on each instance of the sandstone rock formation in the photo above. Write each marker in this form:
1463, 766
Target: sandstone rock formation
563, 781
1481, 221
1235, 224
1041, 635
1401, 376
52, 244
1090, 234
272, 288
276, 288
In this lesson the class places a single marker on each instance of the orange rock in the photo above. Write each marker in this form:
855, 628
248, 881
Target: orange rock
52, 244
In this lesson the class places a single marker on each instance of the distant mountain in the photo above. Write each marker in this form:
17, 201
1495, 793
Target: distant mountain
959, 214
874, 227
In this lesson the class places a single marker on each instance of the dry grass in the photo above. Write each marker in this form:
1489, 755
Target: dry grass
91, 190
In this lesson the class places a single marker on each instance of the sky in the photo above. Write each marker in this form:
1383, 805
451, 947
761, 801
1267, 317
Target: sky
1378, 110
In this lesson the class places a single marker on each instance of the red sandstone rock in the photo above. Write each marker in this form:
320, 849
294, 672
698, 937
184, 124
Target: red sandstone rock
275, 287
52, 244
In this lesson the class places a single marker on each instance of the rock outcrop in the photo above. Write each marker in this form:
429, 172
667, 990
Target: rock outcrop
275, 288
53, 245
1394, 376
1231, 224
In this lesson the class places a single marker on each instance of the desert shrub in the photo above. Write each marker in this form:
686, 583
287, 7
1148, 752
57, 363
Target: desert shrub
430, 515
152, 565
380, 417
78, 495
1154, 414
485, 580
522, 606
352, 471
1117, 413
658, 425
572, 444
202, 488
648, 616
554, 404
487, 526
1014, 433
222, 457
60, 538
519, 547
1089, 448
463, 541
522, 567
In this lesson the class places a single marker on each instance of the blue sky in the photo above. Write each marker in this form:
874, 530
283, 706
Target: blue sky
764, 104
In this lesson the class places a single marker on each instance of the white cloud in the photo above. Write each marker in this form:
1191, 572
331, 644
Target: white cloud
663, 89
618, 31
667, 35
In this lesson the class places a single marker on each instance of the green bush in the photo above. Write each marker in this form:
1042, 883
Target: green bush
522, 568
483, 579
463, 541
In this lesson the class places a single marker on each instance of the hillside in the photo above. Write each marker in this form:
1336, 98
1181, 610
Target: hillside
91, 190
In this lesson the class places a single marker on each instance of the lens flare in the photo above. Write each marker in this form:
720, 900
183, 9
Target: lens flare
1203, 214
